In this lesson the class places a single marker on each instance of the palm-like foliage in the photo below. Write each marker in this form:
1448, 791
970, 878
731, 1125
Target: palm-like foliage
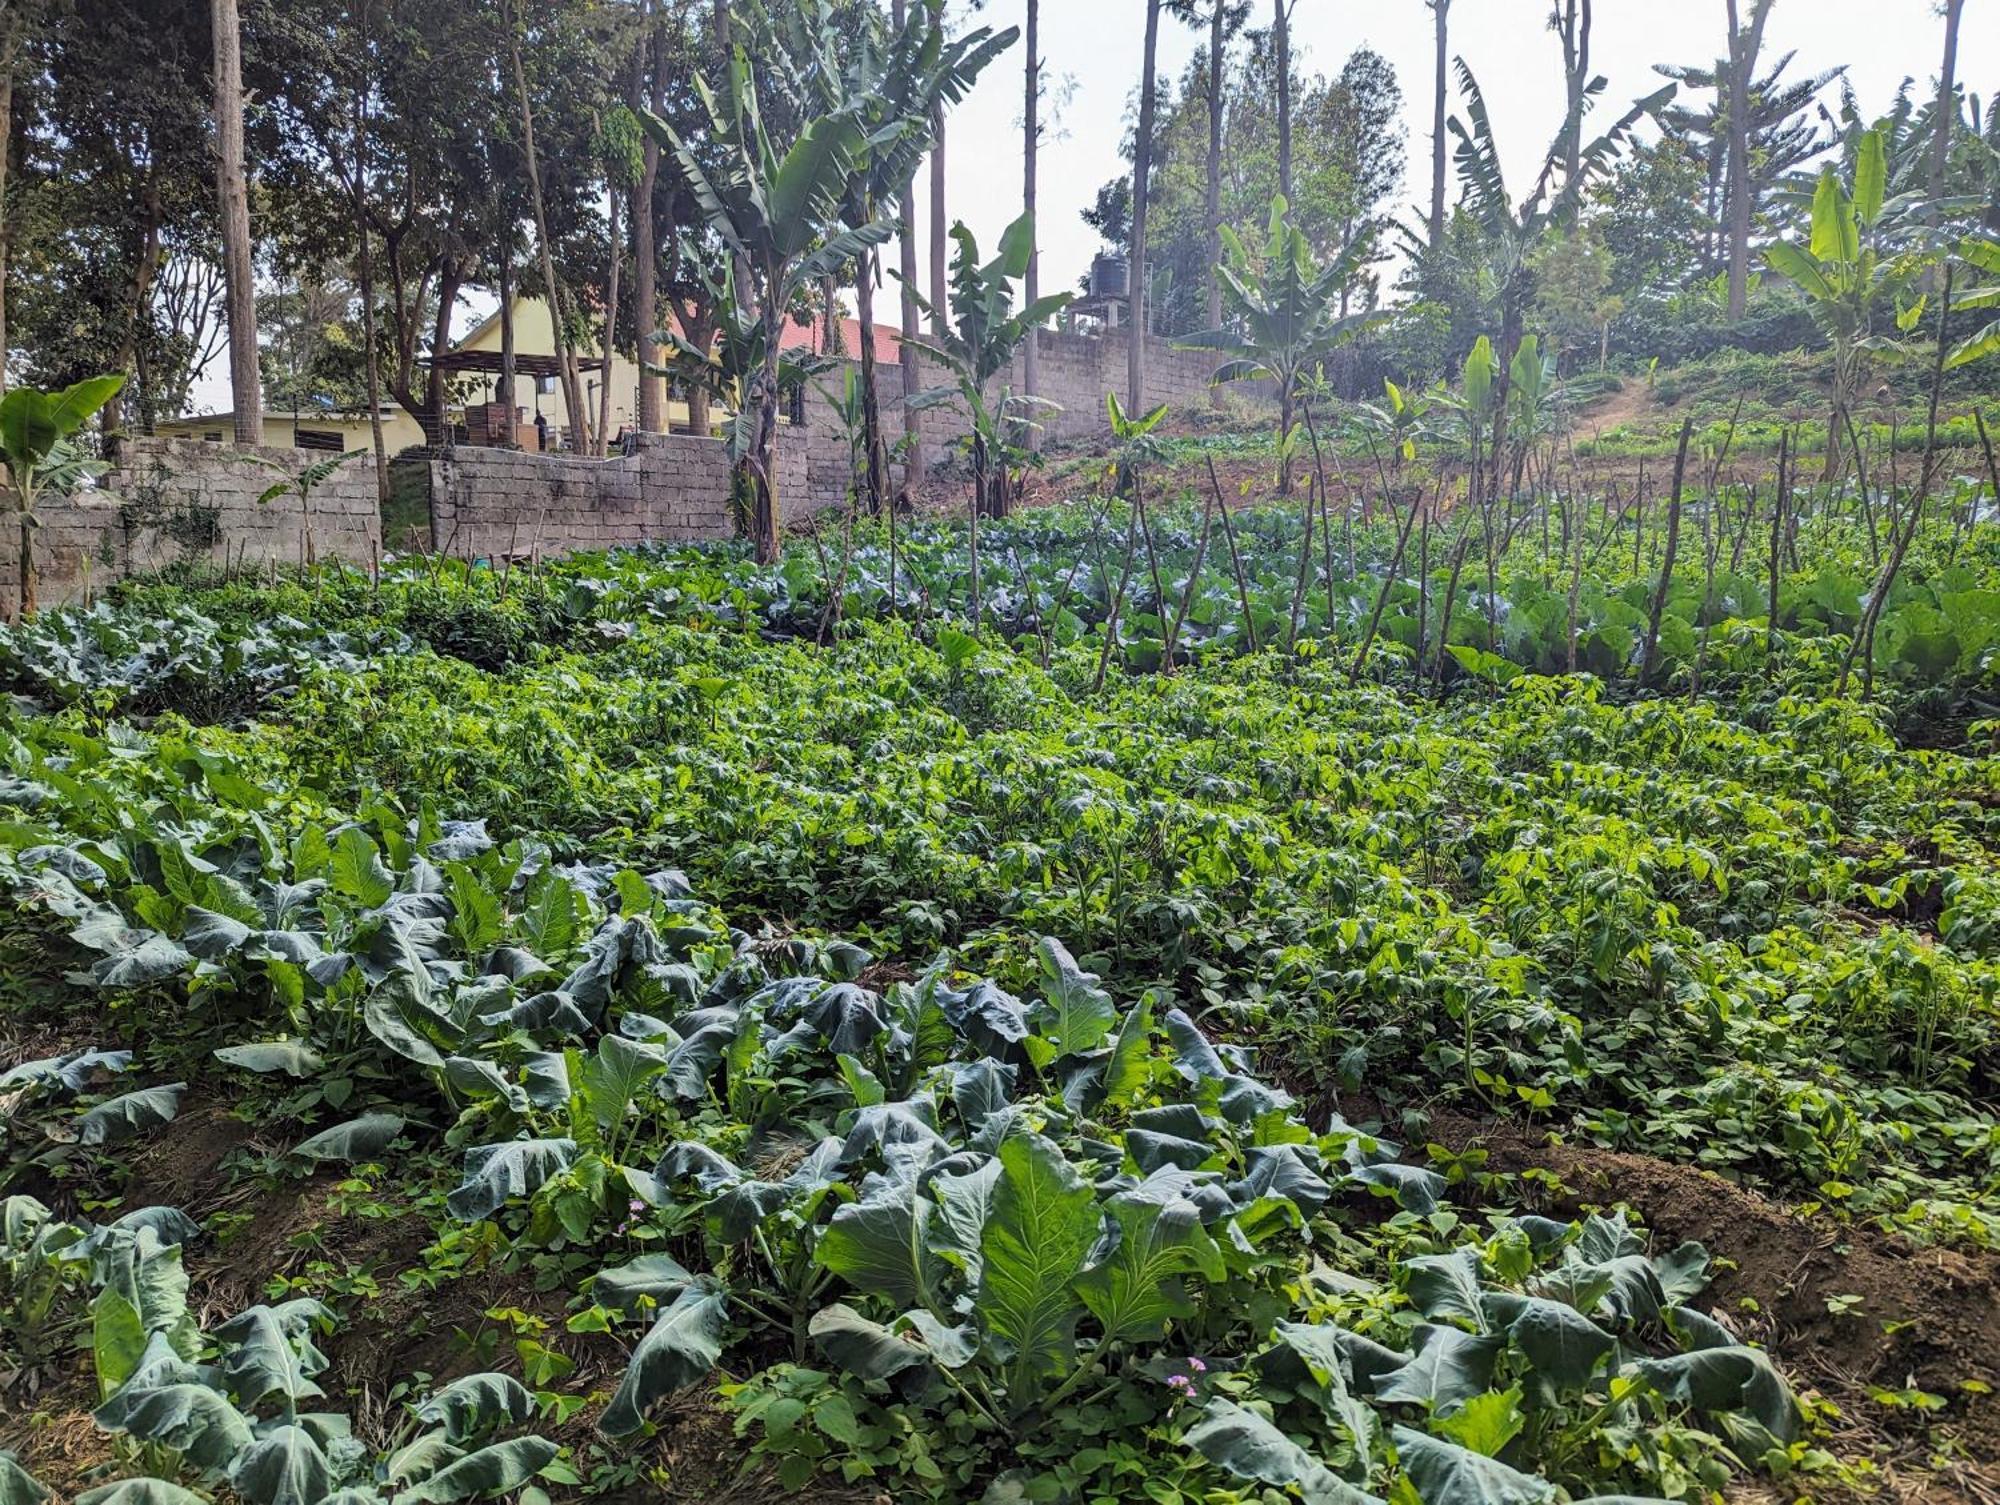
1908, 132
981, 332
1509, 233
1981, 254
729, 372
893, 81
1512, 231
1846, 275
783, 211
1284, 315
35, 433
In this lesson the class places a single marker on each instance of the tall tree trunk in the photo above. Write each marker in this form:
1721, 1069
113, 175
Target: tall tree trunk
1217, 39
603, 444
763, 453
451, 276
1031, 352
1947, 104
877, 473
372, 360
1572, 23
9, 49
1745, 42
913, 462
508, 386
1281, 34
573, 406
365, 276
1440, 21
233, 196
830, 341
645, 245
1135, 359
913, 379
940, 274
145, 273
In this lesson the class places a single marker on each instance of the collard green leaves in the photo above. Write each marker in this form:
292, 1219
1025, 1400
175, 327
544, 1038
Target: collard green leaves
681, 1347
1039, 1231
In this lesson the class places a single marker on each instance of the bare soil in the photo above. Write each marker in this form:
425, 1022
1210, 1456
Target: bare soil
1845, 1310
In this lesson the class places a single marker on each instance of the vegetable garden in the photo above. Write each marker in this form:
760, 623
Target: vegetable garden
1356, 946
568, 1031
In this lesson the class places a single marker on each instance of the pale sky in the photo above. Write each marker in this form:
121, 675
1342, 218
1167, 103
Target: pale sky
1096, 45
1518, 61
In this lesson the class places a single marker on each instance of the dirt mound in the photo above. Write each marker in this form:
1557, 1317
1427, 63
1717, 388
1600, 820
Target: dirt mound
1848, 1311
182, 1167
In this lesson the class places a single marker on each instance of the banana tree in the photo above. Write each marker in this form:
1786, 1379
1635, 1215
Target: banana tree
1980, 254
1845, 275
897, 81
979, 334
1509, 234
35, 433
782, 210
1284, 316
729, 372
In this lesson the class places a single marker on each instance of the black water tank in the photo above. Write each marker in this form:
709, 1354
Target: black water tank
1110, 277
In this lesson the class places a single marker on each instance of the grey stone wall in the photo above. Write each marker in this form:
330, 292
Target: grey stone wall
177, 501
1076, 371
171, 501
493, 503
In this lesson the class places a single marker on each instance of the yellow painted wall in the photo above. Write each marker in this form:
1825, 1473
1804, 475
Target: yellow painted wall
534, 334
399, 430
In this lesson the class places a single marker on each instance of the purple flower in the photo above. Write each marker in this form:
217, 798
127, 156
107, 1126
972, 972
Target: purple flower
1196, 1365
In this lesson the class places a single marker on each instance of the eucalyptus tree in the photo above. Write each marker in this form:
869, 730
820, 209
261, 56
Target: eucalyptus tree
1284, 317
1223, 20
780, 209
1281, 44
906, 248
16, 22
1142, 166
1031, 146
1570, 20
233, 196
1441, 38
1746, 41
1946, 111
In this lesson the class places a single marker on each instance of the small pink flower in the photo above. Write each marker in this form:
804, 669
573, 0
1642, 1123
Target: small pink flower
1196, 1365
635, 1205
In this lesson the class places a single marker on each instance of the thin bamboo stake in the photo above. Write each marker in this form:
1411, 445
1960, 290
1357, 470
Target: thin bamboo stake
1649, 660
1235, 556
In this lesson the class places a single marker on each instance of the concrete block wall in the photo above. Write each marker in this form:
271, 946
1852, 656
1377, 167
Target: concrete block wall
1076, 371
493, 503
179, 501
170, 501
